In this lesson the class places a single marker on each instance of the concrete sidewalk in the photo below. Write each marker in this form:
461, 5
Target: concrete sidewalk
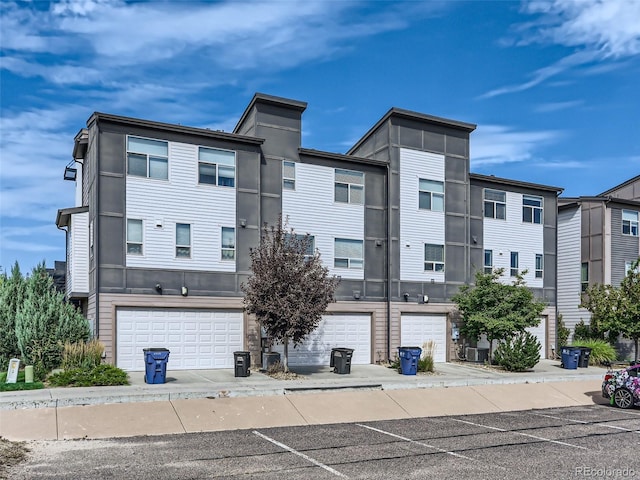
194, 401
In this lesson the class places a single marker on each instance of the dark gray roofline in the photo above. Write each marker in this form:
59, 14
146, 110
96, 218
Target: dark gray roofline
599, 198
271, 100
618, 187
64, 215
420, 117
233, 137
339, 156
80, 143
516, 183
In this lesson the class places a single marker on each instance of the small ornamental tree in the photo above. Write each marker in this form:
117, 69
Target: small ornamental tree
289, 288
11, 297
628, 311
602, 301
496, 309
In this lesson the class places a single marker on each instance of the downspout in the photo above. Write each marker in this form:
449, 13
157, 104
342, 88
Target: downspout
389, 262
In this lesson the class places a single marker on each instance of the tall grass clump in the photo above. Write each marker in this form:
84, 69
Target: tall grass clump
85, 355
601, 350
426, 363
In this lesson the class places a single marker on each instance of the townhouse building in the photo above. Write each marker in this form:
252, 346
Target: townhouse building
158, 241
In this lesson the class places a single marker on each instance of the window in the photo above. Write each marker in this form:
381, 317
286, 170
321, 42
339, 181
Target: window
349, 186
431, 195
495, 204
216, 167
433, 258
488, 261
147, 158
539, 265
310, 251
514, 264
183, 240
134, 237
630, 223
531, 209
348, 253
228, 243
91, 239
584, 277
288, 175
628, 266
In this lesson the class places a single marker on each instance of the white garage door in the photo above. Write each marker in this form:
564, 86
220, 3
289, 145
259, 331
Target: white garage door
334, 331
196, 339
417, 329
540, 332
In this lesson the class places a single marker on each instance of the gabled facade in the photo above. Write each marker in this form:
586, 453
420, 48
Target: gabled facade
165, 217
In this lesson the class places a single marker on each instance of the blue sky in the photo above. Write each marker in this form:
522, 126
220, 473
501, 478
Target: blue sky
552, 86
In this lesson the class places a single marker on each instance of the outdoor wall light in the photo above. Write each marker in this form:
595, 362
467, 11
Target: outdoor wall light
70, 173
243, 223
184, 291
356, 294
406, 296
159, 288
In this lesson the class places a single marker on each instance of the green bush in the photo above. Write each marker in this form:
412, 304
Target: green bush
601, 351
519, 353
581, 331
562, 334
101, 375
82, 354
11, 294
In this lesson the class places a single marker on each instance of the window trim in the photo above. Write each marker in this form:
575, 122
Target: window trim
148, 157
359, 261
633, 232
488, 268
285, 179
224, 248
434, 264
584, 276
350, 186
217, 167
130, 242
514, 270
533, 209
431, 194
179, 246
494, 204
539, 272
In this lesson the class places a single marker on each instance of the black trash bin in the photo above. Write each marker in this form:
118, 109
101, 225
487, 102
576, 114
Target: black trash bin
155, 362
341, 360
242, 360
585, 353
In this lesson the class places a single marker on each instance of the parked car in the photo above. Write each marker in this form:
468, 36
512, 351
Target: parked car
622, 387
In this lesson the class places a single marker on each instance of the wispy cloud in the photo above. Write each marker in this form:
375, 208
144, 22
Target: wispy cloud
557, 106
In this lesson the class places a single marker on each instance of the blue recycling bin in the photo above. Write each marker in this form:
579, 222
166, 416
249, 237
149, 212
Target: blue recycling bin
570, 357
409, 357
155, 361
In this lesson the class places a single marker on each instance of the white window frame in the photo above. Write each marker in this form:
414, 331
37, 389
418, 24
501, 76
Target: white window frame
514, 264
288, 182
217, 166
351, 186
311, 248
498, 207
584, 276
148, 157
425, 192
353, 263
631, 223
488, 266
539, 273
434, 264
132, 242
182, 248
535, 205
230, 250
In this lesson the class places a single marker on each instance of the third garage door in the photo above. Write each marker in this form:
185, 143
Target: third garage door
416, 329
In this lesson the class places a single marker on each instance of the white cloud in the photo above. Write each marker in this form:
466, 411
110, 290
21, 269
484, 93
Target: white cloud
557, 106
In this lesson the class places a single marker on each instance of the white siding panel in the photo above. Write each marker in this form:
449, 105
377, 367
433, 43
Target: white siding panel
416, 329
418, 227
161, 204
514, 235
79, 248
311, 209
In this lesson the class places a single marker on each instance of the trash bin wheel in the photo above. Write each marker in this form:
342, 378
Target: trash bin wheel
623, 398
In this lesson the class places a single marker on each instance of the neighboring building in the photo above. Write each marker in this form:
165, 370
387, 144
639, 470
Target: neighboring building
598, 241
158, 242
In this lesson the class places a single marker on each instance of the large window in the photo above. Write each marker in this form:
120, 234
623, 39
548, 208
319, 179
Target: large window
431, 195
216, 167
349, 186
147, 158
539, 265
514, 264
134, 237
433, 258
311, 248
228, 243
348, 253
183, 240
584, 277
495, 204
288, 175
488, 261
630, 223
531, 209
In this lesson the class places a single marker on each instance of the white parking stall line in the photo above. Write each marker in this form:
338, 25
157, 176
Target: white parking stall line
521, 433
599, 424
400, 437
559, 418
300, 454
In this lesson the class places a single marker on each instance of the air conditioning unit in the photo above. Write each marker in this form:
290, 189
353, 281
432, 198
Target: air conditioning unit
478, 355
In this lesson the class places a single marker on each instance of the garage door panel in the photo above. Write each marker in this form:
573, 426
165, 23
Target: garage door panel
415, 330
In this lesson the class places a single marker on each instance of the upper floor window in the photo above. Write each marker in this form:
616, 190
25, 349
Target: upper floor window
311, 246
495, 204
514, 264
531, 209
228, 243
630, 223
584, 277
349, 186
216, 167
134, 237
183, 240
488, 261
431, 195
433, 258
288, 175
147, 158
348, 253
539, 265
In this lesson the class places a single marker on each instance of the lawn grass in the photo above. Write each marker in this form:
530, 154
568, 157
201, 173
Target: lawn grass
19, 385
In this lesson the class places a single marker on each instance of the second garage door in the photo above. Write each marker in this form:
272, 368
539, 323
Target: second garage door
417, 329
348, 331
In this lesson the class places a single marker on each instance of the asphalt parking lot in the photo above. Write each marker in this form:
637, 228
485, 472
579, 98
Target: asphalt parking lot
593, 441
